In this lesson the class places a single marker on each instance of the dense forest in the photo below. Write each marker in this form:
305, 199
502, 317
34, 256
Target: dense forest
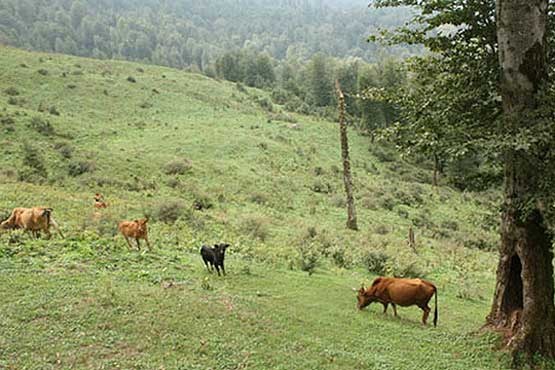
194, 33
296, 48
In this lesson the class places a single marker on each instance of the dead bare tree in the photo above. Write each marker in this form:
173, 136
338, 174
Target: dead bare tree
347, 178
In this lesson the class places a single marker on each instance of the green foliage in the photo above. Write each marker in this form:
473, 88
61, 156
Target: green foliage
42, 126
375, 262
33, 169
79, 167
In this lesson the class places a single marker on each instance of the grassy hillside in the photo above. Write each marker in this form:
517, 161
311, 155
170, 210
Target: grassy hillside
162, 142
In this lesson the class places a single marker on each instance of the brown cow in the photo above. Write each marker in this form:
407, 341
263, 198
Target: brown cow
136, 229
402, 292
34, 219
99, 201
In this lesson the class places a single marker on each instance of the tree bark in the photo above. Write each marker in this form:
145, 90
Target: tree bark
347, 179
523, 300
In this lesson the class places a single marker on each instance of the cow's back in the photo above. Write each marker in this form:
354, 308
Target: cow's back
406, 292
130, 229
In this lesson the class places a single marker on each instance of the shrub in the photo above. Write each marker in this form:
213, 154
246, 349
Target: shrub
388, 202
265, 103
65, 149
41, 126
168, 210
7, 124
52, 110
339, 201
240, 87
309, 257
450, 225
382, 153
202, 201
145, 105
283, 117
13, 101
78, 168
280, 96
71, 86
34, 168
11, 91
43, 72
340, 258
321, 187
131, 79
259, 198
256, 226
178, 166
375, 262
405, 270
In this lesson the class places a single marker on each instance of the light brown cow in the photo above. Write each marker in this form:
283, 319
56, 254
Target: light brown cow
136, 229
402, 292
99, 201
34, 220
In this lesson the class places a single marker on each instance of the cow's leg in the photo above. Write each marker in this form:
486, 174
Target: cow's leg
128, 242
217, 269
138, 243
394, 309
385, 307
426, 310
207, 267
223, 269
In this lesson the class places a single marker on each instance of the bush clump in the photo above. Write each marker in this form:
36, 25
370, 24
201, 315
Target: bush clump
168, 210
375, 262
34, 167
178, 166
11, 91
256, 226
77, 168
309, 257
41, 126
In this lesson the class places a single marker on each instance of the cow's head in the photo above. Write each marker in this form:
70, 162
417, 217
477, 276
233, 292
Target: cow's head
219, 250
141, 223
364, 298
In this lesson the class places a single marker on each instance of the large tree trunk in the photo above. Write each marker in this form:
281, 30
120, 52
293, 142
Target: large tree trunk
523, 303
347, 179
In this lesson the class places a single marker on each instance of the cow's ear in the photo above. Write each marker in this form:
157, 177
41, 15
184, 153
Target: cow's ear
361, 290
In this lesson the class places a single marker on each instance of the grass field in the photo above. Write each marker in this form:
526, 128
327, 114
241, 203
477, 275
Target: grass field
268, 182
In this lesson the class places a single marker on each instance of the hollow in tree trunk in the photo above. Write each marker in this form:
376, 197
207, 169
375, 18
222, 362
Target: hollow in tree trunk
523, 300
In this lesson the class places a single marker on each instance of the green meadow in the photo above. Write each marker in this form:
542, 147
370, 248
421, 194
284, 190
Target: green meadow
211, 161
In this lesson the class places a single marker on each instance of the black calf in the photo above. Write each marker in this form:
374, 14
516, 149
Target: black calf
214, 256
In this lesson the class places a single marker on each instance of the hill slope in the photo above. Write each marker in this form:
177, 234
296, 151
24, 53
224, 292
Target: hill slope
268, 183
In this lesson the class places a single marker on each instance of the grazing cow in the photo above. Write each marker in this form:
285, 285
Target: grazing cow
402, 292
34, 220
99, 201
214, 256
136, 229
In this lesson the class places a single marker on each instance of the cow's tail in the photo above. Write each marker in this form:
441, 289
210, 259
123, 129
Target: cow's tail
54, 224
51, 222
435, 309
